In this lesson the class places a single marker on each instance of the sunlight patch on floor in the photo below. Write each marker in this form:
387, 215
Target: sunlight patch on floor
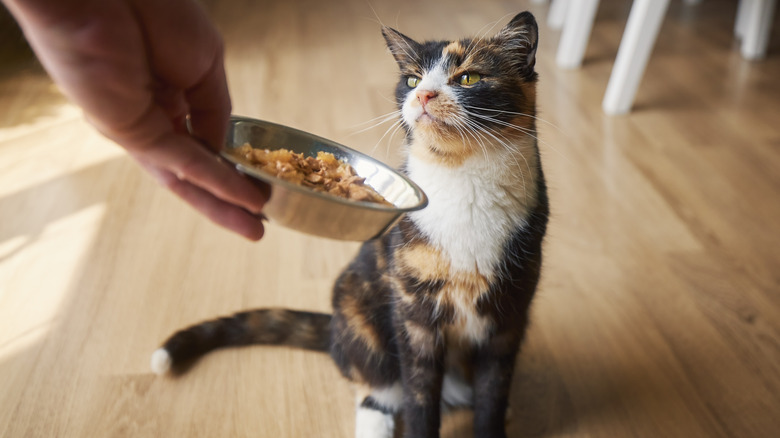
35, 285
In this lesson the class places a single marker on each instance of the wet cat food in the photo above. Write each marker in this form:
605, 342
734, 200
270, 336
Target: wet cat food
323, 173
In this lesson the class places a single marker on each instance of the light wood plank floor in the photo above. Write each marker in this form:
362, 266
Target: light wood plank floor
658, 314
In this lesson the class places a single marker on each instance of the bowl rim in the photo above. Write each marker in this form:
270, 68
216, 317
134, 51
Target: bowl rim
252, 171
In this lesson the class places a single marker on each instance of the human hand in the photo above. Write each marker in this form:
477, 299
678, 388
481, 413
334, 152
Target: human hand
138, 68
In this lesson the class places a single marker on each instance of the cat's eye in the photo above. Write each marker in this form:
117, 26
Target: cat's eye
469, 78
412, 81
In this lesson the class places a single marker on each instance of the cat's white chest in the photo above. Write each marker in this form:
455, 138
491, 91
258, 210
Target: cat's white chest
472, 211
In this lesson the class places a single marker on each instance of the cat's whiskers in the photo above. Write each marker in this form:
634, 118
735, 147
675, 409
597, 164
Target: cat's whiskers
458, 125
398, 126
392, 116
514, 113
383, 116
506, 144
478, 133
458, 128
463, 123
514, 153
526, 131
377, 19
481, 139
394, 127
382, 119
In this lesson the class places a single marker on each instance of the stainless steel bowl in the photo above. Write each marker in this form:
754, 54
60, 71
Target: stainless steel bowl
321, 214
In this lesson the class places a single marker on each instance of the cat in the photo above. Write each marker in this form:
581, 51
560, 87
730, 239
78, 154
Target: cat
433, 313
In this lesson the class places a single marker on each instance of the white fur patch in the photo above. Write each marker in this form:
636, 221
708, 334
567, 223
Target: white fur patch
456, 392
370, 423
472, 209
474, 328
161, 361
390, 397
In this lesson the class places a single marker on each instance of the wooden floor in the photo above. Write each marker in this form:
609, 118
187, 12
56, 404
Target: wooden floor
659, 310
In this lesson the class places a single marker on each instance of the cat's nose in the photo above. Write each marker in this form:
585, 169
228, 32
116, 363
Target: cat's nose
425, 95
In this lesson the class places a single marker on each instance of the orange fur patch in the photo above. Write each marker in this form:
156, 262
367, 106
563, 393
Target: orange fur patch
421, 339
468, 328
461, 294
361, 392
357, 323
420, 398
463, 289
381, 261
355, 376
425, 153
455, 48
424, 262
529, 91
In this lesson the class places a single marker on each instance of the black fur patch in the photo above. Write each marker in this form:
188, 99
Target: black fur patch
370, 403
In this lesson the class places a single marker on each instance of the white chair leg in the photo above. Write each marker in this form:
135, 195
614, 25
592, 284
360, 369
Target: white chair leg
557, 14
758, 26
576, 33
638, 40
743, 8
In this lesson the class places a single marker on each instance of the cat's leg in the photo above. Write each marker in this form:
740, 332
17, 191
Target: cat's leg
493, 367
422, 371
376, 410
457, 390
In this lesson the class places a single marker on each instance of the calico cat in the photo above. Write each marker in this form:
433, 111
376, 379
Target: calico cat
433, 313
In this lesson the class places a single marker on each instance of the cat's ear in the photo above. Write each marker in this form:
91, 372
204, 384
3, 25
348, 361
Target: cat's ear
521, 36
403, 48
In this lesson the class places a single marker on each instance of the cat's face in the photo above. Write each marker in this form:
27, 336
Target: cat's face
457, 97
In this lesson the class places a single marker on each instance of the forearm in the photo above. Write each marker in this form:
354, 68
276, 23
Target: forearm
51, 13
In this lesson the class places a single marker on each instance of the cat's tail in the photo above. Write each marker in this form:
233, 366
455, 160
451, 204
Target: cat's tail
292, 328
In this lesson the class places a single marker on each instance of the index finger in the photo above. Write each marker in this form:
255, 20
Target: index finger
209, 103
188, 160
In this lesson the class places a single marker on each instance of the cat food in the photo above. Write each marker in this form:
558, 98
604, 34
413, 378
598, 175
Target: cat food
323, 173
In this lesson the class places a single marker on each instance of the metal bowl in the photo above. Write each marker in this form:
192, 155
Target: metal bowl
321, 214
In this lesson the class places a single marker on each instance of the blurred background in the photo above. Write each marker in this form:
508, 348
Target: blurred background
659, 308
